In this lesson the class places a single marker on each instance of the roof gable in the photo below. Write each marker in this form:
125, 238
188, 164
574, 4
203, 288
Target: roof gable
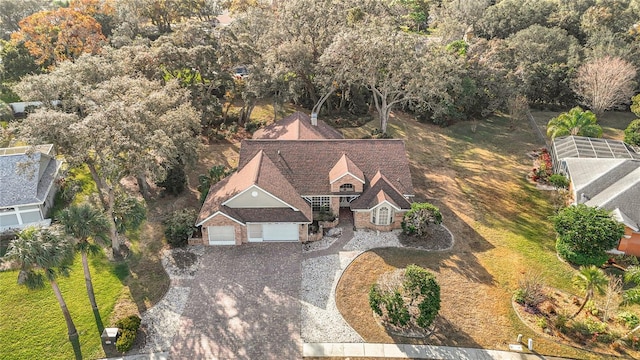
259, 172
381, 191
297, 126
343, 167
624, 194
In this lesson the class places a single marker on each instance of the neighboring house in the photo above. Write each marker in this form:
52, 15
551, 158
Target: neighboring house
27, 185
605, 174
282, 185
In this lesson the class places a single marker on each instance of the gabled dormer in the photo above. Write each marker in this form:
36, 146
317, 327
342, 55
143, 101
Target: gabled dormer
345, 176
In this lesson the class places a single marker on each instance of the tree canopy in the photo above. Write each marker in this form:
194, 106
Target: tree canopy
52, 36
117, 125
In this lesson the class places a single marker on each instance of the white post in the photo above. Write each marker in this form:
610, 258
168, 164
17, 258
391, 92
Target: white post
530, 344
519, 338
314, 118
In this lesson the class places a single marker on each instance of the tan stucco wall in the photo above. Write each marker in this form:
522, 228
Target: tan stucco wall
347, 179
335, 205
221, 220
362, 220
263, 200
631, 245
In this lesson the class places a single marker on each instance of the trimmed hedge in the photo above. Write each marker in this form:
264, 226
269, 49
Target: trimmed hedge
180, 226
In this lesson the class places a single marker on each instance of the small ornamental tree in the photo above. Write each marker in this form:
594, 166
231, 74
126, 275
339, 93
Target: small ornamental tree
585, 234
417, 220
418, 289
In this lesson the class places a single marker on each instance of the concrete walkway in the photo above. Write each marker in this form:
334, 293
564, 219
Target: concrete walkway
407, 351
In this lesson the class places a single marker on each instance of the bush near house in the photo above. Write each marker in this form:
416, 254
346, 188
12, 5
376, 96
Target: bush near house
559, 181
180, 226
585, 234
416, 220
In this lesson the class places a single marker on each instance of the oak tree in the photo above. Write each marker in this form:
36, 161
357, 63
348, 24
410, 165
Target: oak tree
57, 35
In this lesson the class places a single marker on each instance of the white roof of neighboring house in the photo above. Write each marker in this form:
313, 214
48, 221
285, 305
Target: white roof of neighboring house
604, 173
27, 174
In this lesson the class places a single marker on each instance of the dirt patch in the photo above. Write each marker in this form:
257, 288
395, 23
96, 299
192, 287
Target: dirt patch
184, 260
436, 238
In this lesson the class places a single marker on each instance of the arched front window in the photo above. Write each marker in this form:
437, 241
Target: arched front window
346, 187
381, 216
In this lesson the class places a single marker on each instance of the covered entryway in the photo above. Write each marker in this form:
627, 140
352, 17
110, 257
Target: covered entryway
273, 232
221, 235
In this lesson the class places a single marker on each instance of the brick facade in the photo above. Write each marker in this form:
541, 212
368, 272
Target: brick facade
347, 179
221, 220
362, 220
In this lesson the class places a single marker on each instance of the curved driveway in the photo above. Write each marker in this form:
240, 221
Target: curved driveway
244, 304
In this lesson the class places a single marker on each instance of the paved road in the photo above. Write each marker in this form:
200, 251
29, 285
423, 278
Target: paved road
244, 304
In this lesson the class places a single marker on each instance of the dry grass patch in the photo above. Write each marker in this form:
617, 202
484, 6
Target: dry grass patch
476, 176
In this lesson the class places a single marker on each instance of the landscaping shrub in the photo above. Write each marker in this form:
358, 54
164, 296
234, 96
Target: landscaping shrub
589, 327
375, 299
125, 341
530, 292
585, 234
131, 322
129, 329
417, 220
180, 226
418, 285
559, 181
632, 133
579, 259
561, 321
542, 322
396, 309
629, 319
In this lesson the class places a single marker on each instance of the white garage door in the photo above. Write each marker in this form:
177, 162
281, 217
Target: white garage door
221, 235
280, 232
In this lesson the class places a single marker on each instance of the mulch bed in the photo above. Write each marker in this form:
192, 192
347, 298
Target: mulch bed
437, 238
559, 303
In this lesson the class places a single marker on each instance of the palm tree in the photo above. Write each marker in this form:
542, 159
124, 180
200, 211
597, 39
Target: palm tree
44, 253
574, 122
589, 280
84, 222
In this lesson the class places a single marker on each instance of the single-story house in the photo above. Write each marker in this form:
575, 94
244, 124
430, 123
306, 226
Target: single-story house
27, 186
281, 186
605, 174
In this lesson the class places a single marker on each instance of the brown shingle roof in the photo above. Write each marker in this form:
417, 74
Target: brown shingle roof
380, 190
260, 171
344, 166
306, 164
297, 126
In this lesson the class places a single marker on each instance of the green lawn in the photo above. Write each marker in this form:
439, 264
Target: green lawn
32, 325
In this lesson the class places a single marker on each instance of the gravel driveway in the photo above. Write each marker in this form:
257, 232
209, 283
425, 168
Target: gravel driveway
243, 303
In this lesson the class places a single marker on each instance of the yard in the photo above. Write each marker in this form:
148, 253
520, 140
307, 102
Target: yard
477, 178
